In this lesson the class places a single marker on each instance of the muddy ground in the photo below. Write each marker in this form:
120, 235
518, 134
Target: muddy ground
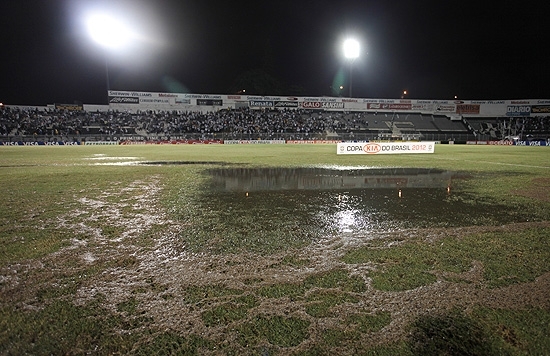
143, 253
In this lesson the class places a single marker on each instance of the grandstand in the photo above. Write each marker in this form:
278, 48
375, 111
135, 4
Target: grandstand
266, 120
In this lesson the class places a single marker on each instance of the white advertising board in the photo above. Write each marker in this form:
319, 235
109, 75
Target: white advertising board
360, 148
137, 100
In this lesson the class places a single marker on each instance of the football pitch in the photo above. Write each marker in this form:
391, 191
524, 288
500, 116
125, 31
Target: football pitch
274, 250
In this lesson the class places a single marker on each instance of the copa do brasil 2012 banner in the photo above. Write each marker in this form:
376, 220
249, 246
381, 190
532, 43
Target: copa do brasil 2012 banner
355, 148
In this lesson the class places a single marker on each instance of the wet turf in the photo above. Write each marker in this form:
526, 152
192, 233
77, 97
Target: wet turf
266, 209
175, 258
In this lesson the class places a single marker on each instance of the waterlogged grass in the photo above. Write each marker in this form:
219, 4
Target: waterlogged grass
507, 258
282, 290
63, 328
170, 343
277, 330
293, 261
352, 334
42, 310
357, 326
337, 278
196, 294
27, 243
318, 294
321, 302
227, 313
454, 334
234, 223
483, 332
266, 222
457, 157
333, 279
35, 199
369, 322
523, 331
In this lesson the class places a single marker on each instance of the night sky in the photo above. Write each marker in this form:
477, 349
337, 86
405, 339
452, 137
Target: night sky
477, 50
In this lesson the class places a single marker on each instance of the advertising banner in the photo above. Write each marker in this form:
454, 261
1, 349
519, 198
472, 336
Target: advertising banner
518, 110
322, 105
355, 148
308, 142
531, 143
123, 100
540, 109
100, 143
373, 106
260, 103
286, 104
70, 107
155, 101
182, 101
468, 109
209, 102
173, 142
254, 142
450, 108
40, 143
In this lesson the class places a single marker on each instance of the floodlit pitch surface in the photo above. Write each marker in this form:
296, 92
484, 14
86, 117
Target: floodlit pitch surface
101, 253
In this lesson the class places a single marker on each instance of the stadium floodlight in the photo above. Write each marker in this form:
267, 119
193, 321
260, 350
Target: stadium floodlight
351, 52
351, 49
108, 31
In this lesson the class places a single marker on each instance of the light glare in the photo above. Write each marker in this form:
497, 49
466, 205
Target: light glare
351, 49
107, 31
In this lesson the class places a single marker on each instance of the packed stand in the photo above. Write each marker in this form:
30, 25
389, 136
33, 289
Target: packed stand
50, 123
53, 122
227, 123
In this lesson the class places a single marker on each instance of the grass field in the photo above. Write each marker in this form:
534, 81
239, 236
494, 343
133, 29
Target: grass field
103, 254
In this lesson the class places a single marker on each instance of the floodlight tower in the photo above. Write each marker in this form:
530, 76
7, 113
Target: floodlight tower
351, 52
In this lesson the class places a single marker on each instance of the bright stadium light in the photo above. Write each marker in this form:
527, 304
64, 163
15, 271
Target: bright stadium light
133, 34
351, 49
351, 52
108, 31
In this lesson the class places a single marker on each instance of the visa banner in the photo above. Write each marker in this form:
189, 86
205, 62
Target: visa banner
372, 148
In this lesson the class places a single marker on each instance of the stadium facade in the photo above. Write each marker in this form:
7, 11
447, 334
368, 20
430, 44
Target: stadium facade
128, 100
132, 116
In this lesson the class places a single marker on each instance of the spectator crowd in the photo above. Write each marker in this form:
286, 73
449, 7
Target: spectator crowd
54, 122
227, 124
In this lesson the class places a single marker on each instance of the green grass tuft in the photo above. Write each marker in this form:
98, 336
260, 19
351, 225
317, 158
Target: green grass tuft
321, 302
453, 334
369, 322
277, 330
227, 313
507, 258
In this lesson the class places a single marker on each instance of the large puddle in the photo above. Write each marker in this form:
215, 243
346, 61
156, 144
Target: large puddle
248, 207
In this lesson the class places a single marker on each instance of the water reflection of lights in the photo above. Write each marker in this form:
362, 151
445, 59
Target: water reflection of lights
346, 220
354, 202
343, 198
349, 218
